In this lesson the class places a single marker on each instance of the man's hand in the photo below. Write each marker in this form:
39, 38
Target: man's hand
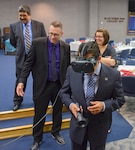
96, 107
74, 109
19, 89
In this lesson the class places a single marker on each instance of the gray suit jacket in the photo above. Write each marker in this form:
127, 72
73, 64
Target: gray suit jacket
109, 90
37, 61
17, 39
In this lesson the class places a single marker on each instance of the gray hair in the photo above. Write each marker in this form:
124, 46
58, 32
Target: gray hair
24, 8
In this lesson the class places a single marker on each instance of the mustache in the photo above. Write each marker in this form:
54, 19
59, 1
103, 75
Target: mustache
23, 19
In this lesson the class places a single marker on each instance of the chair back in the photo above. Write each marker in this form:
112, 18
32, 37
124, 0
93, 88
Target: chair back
9, 47
111, 42
132, 53
129, 85
124, 54
68, 40
82, 39
127, 41
130, 62
133, 39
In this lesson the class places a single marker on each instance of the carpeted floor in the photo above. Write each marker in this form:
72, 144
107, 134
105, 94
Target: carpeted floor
128, 112
7, 84
121, 127
48, 143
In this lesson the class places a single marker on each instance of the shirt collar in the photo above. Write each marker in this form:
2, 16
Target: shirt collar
29, 24
97, 71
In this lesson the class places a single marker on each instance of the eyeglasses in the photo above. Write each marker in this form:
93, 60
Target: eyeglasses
53, 34
98, 37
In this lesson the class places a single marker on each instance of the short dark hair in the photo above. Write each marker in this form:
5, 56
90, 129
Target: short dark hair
56, 24
24, 8
80, 48
92, 48
106, 35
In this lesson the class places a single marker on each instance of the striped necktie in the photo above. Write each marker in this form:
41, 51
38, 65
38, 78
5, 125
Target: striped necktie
27, 38
90, 92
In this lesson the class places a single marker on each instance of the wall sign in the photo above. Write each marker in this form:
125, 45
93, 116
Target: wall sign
131, 23
114, 19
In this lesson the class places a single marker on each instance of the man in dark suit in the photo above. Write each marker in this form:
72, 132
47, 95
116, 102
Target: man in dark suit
107, 97
45, 85
18, 40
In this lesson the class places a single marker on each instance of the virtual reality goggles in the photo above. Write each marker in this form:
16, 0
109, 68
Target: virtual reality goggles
82, 65
86, 65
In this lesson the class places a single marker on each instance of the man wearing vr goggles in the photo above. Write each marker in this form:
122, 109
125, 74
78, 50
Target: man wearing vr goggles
108, 97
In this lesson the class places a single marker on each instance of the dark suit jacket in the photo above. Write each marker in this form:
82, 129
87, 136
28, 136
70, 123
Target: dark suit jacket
37, 61
109, 90
17, 38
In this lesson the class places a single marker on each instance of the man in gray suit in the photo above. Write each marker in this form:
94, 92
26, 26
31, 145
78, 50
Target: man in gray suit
48, 76
107, 96
18, 40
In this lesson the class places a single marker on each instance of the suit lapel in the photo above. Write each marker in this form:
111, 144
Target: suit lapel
45, 52
21, 30
80, 87
61, 53
33, 29
103, 81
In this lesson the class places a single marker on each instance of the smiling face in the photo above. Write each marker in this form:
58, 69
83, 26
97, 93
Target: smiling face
102, 37
99, 38
24, 17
